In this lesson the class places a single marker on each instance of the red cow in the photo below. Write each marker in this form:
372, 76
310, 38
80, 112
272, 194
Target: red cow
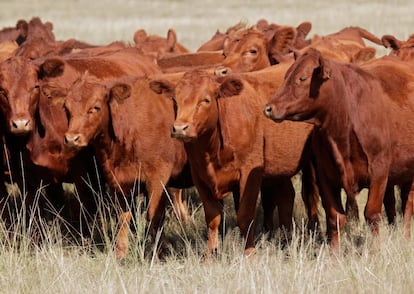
157, 46
403, 49
354, 147
231, 147
105, 116
19, 102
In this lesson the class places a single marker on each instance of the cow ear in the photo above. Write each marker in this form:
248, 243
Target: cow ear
171, 38
365, 54
230, 87
304, 28
140, 36
283, 39
391, 41
325, 68
161, 87
119, 92
52, 67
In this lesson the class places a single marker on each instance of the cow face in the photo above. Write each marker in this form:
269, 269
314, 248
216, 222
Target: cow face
297, 97
195, 98
244, 51
19, 94
87, 110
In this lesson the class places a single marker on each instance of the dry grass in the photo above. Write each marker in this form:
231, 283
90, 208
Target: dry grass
63, 264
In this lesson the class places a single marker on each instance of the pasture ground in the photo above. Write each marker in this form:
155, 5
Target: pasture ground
59, 264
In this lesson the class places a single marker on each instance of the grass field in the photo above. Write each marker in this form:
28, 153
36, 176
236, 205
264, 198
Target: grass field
61, 265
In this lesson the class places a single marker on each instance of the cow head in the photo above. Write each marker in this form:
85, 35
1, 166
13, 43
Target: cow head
244, 51
196, 98
404, 50
251, 49
19, 94
157, 46
90, 104
86, 105
297, 97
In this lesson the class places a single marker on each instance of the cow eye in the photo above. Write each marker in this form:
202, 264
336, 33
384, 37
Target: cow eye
94, 109
253, 51
302, 79
206, 100
3, 94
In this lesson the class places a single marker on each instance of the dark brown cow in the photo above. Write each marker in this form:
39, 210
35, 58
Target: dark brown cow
105, 117
158, 46
403, 49
364, 139
230, 146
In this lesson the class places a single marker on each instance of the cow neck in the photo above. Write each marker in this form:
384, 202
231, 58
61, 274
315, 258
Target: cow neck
336, 124
104, 146
204, 158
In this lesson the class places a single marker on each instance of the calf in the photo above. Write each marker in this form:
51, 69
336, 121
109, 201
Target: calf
364, 139
230, 147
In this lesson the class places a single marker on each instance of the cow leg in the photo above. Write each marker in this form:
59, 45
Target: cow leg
352, 210
213, 210
249, 190
121, 244
335, 214
156, 204
389, 204
375, 200
179, 205
268, 196
310, 196
285, 201
408, 209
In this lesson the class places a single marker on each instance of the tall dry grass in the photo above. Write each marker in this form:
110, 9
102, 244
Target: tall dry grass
63, 262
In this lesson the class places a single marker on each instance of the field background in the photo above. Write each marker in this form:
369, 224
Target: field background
304, 266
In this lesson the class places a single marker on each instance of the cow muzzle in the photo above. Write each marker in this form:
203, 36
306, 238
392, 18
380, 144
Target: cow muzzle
269, 112
21, 126
180, 131
74, 140
222, 71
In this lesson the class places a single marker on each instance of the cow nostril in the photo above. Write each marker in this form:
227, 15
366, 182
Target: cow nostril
268, 109
76, 139
173, 130
185, 127
14, 125
27, 123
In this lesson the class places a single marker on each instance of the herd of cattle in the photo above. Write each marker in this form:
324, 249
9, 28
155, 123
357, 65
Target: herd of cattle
242, 115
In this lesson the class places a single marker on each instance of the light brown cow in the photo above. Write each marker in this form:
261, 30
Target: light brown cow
363, 115
105, 116
230, 146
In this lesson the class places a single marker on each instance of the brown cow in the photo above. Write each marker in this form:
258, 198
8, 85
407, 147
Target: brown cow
403, 49
157, 46
231, 147
105, 116
364, 137
19, 100
251, 50
40, 41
